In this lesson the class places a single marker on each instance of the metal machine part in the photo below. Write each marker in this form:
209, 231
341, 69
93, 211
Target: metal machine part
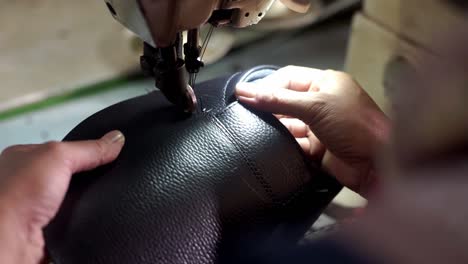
167, 68
159, 24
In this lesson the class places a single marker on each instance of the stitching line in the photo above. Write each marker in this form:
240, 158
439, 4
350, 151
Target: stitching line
250, 164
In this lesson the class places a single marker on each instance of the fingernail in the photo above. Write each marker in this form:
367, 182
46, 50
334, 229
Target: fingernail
114, 137
247, 100
246, 90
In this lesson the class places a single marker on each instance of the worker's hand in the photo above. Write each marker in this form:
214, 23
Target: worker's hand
334, 120
33, 183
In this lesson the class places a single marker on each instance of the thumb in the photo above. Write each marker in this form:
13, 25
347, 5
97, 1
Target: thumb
278, 100
90, 154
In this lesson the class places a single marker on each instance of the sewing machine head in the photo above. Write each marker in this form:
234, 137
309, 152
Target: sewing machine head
159, 23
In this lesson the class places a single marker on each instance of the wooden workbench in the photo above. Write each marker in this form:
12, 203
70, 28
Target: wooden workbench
389, 37
50, 47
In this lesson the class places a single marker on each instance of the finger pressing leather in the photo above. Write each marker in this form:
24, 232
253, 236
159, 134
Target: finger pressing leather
278, 101
86, 155
296, 78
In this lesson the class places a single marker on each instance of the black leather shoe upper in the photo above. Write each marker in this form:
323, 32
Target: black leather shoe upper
212, 187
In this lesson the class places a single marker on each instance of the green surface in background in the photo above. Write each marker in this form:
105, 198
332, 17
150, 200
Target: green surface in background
66, 97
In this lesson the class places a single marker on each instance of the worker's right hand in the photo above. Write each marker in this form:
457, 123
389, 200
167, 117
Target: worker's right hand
334, 120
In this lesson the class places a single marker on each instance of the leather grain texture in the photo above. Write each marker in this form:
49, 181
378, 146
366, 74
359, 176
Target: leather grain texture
213, 187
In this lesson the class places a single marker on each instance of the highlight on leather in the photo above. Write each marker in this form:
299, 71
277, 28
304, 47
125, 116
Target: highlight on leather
217, 186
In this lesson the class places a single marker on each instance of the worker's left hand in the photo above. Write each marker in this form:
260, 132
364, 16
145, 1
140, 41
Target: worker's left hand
33, 182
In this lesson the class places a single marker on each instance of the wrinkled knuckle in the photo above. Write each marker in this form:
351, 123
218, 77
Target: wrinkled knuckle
281, 100
269, 98
312, 109
317, 110
101, 150
100, 147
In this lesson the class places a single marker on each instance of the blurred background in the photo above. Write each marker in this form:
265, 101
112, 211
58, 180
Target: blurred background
62, 60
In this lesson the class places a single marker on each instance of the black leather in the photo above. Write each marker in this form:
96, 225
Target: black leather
213, 187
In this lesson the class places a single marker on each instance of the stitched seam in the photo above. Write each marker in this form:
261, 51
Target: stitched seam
291, 197
226, 109
225, 87
254, 170
250, 164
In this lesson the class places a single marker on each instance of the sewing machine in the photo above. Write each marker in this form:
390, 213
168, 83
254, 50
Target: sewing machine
160, 24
